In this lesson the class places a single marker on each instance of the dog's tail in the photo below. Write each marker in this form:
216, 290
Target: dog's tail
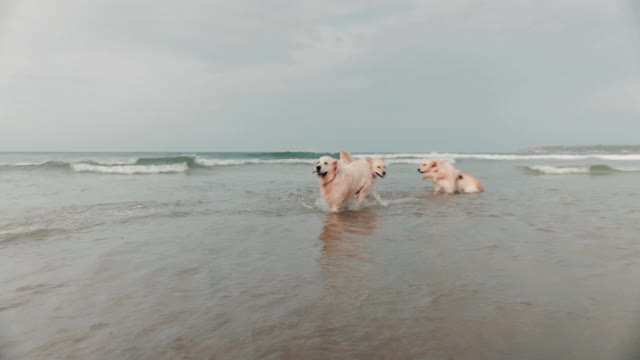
345, 157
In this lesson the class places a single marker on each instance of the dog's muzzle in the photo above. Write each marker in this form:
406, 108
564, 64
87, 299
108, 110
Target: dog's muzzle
317, 171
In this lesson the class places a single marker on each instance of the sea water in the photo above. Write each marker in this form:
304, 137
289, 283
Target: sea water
233, 256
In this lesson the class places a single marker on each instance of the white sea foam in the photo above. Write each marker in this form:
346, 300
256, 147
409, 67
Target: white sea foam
33, 163
405, 158
626, 169
415, 161
115, 162
554, 170
380, 200
228, 162
593, 169
130, 169
459, 156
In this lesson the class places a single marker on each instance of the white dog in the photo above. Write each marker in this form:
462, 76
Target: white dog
442, 173
377, 166
446, 178
468, 184
340, 182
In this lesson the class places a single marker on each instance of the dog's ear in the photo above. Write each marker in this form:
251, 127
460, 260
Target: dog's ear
369, 160
433, 164
335, 165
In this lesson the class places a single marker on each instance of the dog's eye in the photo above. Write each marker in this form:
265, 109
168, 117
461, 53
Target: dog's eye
326, 163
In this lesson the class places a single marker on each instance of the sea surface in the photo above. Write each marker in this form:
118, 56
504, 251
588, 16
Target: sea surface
233, 256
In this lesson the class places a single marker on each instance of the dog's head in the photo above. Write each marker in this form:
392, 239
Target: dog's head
438, 169
428, 167
377, 166
326, 165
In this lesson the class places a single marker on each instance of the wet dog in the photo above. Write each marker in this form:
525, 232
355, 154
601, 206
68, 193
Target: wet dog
340, 181
442, 173
377, 167
468, 184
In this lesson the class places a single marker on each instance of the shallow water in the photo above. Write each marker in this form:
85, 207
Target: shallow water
241, 262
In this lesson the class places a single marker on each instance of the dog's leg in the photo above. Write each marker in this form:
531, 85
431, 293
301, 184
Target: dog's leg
335, 206
450, 187
362, 194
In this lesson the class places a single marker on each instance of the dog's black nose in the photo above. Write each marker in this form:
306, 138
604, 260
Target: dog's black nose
318, 167
384, 173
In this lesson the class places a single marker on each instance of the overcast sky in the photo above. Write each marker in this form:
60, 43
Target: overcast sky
323, 75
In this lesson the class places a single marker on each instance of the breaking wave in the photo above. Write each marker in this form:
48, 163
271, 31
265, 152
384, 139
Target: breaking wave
131, 169
148, 165
167, 163
504, 157
592, 169
228, 162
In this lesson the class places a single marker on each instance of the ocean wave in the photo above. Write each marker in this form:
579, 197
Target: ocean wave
37, 163
415, 161
555, 170
27, 164
110, 162
130, 169
173, 163
229, 162
592, 169
505, 157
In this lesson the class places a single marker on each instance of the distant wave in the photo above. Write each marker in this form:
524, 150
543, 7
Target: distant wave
588, 149
65, 164
503, 157
593, 169
51, 164
228, 162
178, 163
111, 162
266, 155
554, 170
131, 169
416, 160
149, 165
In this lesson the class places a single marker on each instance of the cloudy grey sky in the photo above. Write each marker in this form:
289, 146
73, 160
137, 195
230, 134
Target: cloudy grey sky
251, 75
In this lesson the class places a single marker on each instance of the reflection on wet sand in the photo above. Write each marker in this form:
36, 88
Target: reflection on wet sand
343, 226
345, 254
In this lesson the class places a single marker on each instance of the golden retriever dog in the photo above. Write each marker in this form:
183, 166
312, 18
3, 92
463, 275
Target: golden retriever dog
468, 184
442, 173
376, 167
340, 182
